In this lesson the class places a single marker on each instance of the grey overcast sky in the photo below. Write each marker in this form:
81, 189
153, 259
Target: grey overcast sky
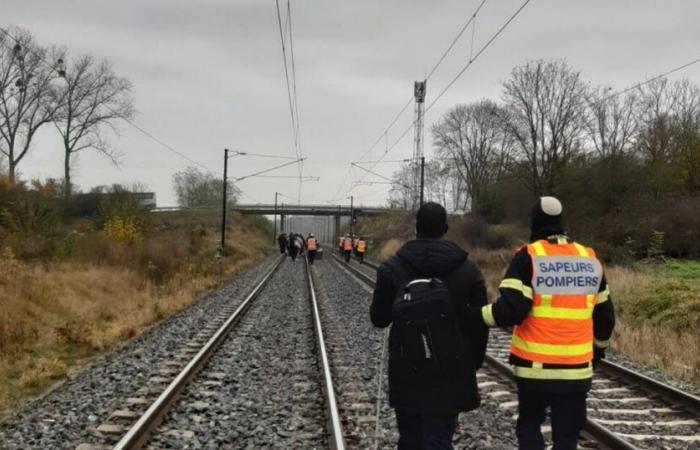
208, 74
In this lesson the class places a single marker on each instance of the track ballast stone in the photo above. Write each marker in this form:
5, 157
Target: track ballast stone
262, 387
69, 414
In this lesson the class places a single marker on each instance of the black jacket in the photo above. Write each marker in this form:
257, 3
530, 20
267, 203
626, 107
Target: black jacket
513, 307
441, 259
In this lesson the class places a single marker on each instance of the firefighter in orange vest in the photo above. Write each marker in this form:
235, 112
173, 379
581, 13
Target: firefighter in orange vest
311, 246
347, 247
361, 249
556, 297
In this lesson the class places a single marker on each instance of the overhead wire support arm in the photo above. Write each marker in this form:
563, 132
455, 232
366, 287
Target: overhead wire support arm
268, 170
378, 175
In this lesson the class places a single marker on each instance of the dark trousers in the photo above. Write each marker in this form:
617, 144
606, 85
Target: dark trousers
312, 254
361, 255
293, 252
348, 253
567, 412
425, 431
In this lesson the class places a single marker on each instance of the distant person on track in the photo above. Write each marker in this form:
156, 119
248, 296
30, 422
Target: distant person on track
294, 246
425, 293
555, 295
361, 249
282, 242
312, 247
347, 248
341, 245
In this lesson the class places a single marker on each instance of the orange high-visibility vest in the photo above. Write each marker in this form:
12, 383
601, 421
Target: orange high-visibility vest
566, 278
361, 246
311, 243
348, 244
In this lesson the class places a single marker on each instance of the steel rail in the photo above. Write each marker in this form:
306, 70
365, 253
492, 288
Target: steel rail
603, 435
139, 433
669, 393
335, 429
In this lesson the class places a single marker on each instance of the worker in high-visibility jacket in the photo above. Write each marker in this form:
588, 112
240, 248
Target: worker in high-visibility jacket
341, 245
311, 247
347, 247
556, 297
361, 249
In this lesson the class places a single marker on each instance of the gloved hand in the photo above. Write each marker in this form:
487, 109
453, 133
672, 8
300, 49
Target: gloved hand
598, 355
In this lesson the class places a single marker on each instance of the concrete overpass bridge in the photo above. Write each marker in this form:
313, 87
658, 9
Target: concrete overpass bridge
332, 212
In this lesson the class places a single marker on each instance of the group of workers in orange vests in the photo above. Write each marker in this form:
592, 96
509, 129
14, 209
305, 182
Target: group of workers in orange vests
347, 244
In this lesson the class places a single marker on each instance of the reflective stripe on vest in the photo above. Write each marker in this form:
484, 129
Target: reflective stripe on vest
311, 243
566, 278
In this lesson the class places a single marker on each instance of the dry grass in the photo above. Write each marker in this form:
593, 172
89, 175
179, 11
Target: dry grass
665, 336
57, 314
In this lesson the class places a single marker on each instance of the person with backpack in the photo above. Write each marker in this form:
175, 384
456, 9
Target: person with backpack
425, 292
556, 297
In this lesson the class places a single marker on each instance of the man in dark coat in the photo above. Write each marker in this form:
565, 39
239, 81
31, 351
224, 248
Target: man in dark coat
427, 417
282, 242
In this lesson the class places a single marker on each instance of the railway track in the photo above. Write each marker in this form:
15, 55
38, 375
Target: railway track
265, 365
626, 409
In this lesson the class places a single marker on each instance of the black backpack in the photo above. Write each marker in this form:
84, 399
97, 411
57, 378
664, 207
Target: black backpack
427, 346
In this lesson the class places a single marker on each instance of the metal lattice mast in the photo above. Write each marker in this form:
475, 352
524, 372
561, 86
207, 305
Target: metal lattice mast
419, 95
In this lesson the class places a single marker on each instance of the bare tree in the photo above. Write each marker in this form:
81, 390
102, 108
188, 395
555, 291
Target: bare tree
473, 137
26, 98
401, 193
545, 101
195, 189
612, 123
92, 99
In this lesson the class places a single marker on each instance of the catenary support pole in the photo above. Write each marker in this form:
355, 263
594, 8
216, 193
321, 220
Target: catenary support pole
422, 178
352, 215
274, 228
223, 205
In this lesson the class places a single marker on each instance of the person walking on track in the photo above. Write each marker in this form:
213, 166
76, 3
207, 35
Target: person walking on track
282, 242
424, 292
294, 246
361, 249
347, 247
556, 297
311, 247
341, 246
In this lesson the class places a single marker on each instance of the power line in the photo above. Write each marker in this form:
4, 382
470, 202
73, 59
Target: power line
650, 80
454, 41
462, 71
286, 76
459, 74
430, 74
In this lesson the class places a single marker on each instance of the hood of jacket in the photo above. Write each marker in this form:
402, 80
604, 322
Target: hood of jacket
432, 257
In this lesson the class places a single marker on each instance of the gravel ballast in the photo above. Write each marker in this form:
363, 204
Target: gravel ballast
70, 413
262, 387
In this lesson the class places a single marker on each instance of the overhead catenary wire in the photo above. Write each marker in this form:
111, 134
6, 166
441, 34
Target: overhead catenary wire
437, 64
462, 71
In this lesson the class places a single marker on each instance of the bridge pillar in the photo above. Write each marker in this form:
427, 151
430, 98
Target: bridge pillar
337, 227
